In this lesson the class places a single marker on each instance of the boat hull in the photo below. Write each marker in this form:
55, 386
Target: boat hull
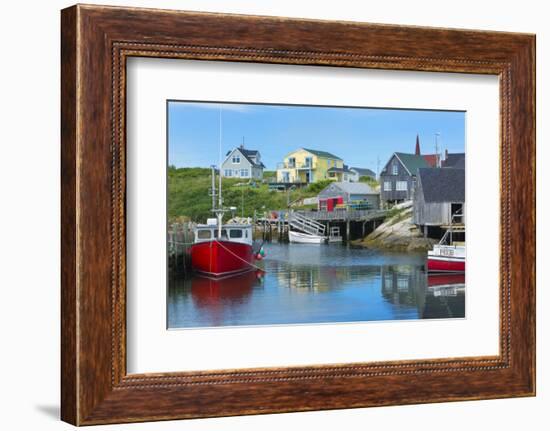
446, 264
222, 258
303, 238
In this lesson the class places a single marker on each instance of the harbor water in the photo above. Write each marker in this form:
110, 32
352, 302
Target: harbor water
312, 284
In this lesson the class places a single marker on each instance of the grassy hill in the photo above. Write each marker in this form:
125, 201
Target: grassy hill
188, 195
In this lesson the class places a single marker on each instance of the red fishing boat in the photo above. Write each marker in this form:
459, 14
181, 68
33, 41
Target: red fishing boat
449, 255
444, 258
222, 250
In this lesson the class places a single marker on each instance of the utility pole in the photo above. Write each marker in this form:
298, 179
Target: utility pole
378, 167
437, 156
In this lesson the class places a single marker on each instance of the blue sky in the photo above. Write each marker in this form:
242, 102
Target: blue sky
357, 135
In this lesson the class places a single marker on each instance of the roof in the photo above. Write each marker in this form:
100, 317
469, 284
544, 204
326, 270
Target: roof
322, 154
412, 162
453, 160
431, 159
363, 172
353, 188
442, 184
247, 154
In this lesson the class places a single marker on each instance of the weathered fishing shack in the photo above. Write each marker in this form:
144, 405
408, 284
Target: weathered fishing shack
439, 199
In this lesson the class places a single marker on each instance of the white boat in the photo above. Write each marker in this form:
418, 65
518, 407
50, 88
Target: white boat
305, 238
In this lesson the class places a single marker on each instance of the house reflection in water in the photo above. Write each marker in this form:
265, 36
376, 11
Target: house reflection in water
317, 285
434, 296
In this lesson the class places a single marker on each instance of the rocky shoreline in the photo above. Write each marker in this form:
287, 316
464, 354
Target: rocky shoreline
397, 233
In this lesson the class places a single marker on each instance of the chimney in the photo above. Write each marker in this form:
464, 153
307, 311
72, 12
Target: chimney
417, 150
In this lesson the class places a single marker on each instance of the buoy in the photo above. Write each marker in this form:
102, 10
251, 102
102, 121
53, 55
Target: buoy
259, 256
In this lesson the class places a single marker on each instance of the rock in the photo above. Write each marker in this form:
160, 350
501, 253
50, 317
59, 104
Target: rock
398, 233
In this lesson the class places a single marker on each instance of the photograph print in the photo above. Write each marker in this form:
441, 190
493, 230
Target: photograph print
295, 214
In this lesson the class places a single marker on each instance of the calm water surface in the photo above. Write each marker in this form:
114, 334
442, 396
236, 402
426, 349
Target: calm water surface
317, 284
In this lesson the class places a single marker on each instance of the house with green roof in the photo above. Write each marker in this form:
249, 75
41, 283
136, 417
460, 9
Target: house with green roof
398, 177
307, 165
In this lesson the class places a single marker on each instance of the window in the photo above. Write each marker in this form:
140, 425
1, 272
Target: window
235, 233
401, 186
236, 158
204, 234
309, 162
387, 186
244, 172
394, 169
286, 177
228, 172
291, 162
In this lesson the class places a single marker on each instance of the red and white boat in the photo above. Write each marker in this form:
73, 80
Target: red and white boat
222, 251
448, 255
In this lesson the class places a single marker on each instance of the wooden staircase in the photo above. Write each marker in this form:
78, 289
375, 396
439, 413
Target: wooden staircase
305, 224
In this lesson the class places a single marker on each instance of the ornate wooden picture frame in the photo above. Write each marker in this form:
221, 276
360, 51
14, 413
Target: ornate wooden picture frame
96, 41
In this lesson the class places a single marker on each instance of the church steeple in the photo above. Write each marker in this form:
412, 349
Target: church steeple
417, 150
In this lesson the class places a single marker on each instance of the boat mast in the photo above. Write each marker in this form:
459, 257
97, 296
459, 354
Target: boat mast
220, 200
213, 189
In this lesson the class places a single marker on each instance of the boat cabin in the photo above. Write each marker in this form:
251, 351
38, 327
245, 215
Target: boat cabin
231, 232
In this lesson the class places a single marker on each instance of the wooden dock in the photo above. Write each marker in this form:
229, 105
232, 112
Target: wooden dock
355, 223
180, 238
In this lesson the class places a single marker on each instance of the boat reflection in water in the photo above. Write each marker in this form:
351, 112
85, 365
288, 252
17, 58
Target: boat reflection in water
311, 284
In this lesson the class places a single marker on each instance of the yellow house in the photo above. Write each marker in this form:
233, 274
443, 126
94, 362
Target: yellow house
307, 166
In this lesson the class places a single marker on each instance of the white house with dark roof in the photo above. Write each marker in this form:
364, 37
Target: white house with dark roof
356, 173
243, 163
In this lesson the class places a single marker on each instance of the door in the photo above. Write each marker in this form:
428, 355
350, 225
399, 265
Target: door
457, 214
